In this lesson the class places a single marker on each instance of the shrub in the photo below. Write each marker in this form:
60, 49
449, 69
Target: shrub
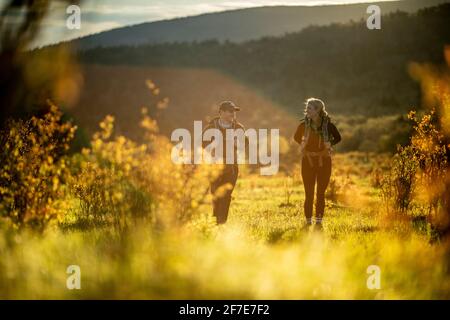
118, 179
418, 170
33, 168
105, 179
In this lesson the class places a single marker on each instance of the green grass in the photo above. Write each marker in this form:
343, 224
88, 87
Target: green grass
262, 252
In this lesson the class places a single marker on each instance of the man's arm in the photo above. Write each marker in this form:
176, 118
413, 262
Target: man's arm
206, 143
240, 126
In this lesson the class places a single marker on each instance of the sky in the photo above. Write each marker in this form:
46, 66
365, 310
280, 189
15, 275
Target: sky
100, 15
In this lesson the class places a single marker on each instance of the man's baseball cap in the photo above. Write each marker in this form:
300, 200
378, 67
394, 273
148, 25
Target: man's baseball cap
228, 106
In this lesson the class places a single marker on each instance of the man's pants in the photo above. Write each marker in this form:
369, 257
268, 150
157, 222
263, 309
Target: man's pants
221, 200
310, 175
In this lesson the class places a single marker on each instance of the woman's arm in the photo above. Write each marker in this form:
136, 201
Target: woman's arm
299, 133
334, 133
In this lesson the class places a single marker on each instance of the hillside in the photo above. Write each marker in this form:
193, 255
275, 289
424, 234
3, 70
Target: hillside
241, 25
193, 95
359, 71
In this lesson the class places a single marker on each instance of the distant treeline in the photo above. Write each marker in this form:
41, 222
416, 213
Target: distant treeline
354, 69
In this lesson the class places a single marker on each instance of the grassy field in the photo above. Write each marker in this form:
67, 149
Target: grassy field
263, 252
89, 179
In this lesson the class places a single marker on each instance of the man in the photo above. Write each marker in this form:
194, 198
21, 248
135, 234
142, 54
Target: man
222, 187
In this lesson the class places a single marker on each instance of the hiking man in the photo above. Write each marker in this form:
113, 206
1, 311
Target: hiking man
229, 173
316, 136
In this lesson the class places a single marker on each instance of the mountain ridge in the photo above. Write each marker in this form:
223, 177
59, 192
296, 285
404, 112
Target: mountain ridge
239, 25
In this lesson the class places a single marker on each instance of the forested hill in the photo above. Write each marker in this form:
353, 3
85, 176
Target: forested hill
356, 69
242, 24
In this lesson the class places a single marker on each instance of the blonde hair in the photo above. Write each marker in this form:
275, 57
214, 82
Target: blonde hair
317, 104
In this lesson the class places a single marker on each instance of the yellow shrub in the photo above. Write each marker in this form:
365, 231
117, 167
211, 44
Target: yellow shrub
33, 168
118, 179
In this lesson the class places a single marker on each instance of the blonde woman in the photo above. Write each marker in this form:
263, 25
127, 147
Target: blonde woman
316, 136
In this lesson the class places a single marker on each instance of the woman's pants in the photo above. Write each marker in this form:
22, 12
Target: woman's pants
310, 175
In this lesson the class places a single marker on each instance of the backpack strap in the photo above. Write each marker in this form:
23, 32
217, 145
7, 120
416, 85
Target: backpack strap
307, 130
326, 137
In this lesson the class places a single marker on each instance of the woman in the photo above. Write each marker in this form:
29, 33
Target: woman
316, 136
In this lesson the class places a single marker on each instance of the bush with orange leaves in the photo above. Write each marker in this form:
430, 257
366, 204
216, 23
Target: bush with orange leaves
114, 181
33, 169
104, 178
118, 179
419, 170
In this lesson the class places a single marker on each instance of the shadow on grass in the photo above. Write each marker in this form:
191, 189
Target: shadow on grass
291, 234
294, 234
84, 224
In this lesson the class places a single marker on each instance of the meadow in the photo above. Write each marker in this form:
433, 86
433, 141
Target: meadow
93, 207
263, 252
139, 226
